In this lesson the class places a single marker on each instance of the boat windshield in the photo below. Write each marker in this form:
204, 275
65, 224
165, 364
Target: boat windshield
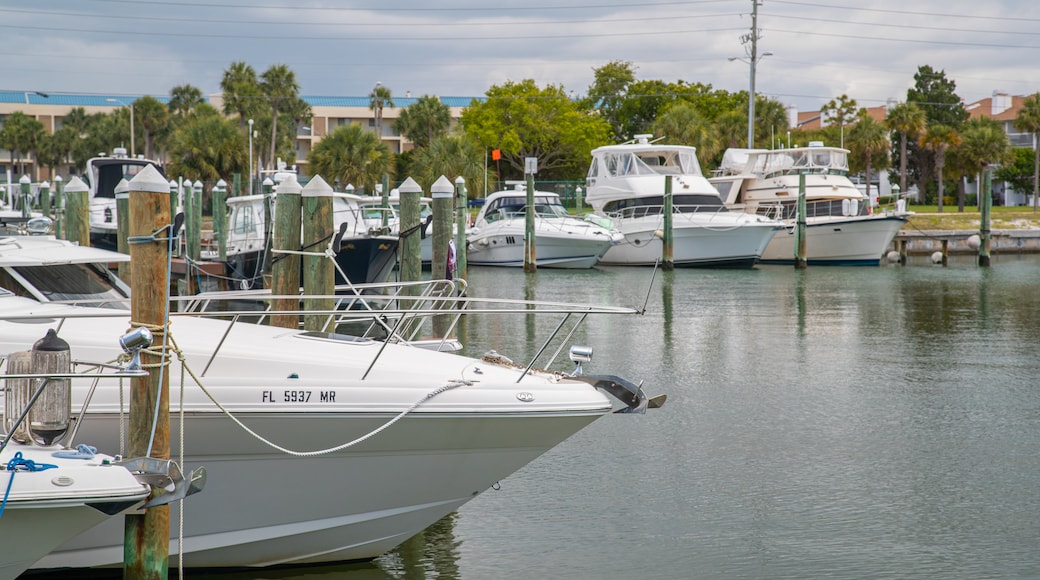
515, 207
652, 162
67, 282
653, 205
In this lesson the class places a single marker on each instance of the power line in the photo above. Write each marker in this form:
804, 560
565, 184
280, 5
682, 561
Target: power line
910, 12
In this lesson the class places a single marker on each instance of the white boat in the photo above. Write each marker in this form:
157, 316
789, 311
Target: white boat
626, 184
363, 255
103, 174
49, 500
346, 447
561, 240
842, 227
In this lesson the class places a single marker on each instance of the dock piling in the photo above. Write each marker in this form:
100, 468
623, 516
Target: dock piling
285, 271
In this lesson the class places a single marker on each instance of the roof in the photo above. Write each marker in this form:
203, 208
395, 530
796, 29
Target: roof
71, 99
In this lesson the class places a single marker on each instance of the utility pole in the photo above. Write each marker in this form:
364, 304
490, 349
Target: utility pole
751, 39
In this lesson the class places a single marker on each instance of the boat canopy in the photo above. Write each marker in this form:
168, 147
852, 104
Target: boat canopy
764, 162
649, 161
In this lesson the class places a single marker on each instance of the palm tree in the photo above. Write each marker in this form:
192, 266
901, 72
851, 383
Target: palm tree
1029, 120
279, 86
380, 97
869, 139
732, 128
209, 147
350, 154
242, 95
184, 98
423, 121
154, 118
983, 142
908, 120
938, 139
20, 135
451, 156
681, 124
770, 117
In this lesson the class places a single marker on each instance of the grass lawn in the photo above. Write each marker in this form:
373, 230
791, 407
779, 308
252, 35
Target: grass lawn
927, 217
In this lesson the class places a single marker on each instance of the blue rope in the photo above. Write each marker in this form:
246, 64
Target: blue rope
19, 463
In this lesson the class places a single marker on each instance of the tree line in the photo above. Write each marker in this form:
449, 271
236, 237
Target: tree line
929, 136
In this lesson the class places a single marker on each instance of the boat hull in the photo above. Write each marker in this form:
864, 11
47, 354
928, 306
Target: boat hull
839, 241
262, 508
506, 248
730, 240
40, 513
363, 260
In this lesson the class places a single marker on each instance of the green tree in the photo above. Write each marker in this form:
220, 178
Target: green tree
938, 139
937, 96
1019, 173
983, 142
1028, 120
278, 85
770, 118
242, 94
907, 120
840, 113
380, 98
644, 101
868, 144
349, 154
183, 99
207, 146
424, 121
732, 128
154, 119
451, 156
20, 135
524, 121
681, 124
608, 93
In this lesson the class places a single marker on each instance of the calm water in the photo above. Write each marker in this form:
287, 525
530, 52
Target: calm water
828, 423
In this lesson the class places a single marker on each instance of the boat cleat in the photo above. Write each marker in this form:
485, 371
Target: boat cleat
165, 475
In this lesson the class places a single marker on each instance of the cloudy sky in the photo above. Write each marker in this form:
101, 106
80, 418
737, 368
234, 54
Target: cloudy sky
821, 49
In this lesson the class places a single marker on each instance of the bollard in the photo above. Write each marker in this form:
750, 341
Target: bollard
77, 212
319, 273
285, 269
122, 192
268, 192
195, 240
383, 190
147, 535
175, 197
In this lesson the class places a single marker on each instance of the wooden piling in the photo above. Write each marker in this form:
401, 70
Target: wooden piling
175, 197
219, 210
985, 203
24, 194
410, 242
190, 233
45, 199
122, 192
77, 212
285, 270
530, 247
268, 191
384, 199
147, 535
667, 240
442, 191
461, 215
319, 273
801, 260
195, 239
945, 245
59, 207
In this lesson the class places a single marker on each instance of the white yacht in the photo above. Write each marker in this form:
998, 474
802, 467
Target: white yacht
626, 185
842, 226
363, 255
320, 447
561, 240
103, 175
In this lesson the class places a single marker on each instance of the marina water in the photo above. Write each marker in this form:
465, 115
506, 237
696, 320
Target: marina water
827, 423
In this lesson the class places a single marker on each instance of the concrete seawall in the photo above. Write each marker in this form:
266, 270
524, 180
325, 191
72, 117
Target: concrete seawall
926, 242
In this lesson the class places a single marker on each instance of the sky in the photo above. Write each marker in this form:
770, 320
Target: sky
819, 50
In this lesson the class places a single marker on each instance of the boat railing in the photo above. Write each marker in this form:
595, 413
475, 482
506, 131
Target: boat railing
641, 211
